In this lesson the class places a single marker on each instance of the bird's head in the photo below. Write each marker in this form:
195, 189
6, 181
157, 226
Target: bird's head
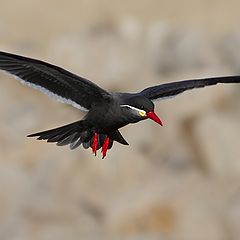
140, 108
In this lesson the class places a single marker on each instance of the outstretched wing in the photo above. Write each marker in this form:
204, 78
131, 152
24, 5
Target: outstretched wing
54, 81
174, 88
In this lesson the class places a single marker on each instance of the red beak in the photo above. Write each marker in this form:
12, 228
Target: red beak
154, 117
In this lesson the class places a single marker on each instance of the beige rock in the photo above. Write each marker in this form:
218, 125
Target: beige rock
218, 138
153, 189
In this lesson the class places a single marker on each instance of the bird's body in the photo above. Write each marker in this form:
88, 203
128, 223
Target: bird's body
106, 111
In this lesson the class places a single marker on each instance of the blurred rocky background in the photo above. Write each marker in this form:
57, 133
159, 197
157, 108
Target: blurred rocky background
177, 182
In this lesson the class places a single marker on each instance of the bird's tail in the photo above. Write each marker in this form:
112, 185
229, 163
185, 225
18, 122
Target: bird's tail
74, 134
78, 133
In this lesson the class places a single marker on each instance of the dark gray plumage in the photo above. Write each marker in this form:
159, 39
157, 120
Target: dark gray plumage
106, 111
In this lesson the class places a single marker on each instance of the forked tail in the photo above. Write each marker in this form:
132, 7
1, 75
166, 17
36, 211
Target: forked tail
78, 133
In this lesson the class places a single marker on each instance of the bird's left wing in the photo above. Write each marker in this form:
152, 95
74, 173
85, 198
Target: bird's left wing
167, 90
54, 81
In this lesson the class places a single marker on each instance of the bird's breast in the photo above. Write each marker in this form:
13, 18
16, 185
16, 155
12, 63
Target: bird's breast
106, 118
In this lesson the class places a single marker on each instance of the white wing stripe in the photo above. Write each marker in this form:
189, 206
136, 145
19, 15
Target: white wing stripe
51, 94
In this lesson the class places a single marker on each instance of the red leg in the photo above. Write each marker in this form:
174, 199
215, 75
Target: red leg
105, 147
95, 144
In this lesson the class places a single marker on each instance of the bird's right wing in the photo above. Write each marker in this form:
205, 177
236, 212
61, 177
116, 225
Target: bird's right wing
54, 81
167, 90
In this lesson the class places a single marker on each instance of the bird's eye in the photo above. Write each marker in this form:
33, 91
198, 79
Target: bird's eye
142, 107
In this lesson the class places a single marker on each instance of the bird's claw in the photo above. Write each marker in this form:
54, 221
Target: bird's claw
95, 144
105, 147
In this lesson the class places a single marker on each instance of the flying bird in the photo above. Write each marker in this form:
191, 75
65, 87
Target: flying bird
107, 111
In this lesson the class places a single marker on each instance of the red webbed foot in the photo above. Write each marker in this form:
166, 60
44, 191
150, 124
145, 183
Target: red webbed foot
95, 144
105, 147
